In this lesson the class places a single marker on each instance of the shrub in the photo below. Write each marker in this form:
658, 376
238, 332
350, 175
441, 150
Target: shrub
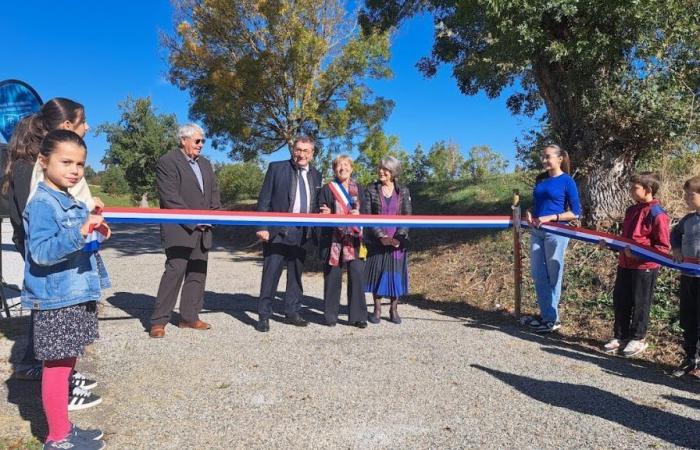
239, 181
114, 181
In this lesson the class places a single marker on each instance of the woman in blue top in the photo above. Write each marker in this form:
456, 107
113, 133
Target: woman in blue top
555, 200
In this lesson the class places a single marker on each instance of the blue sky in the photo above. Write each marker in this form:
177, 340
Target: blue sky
98, 53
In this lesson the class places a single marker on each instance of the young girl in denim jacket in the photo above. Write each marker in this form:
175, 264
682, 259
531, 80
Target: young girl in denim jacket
62, 282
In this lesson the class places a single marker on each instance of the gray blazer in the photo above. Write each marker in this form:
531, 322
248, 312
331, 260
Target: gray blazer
178, 189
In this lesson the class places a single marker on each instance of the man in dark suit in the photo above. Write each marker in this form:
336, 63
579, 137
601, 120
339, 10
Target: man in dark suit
289, 186
185, 181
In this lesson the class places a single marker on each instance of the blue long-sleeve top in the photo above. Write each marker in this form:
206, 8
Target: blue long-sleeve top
555, 195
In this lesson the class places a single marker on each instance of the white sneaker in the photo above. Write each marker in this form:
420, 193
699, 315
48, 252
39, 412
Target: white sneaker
634, 347
612, 346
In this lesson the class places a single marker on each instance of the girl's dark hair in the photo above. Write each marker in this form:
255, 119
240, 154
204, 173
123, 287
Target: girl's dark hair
30, 131
55, 137
565, 161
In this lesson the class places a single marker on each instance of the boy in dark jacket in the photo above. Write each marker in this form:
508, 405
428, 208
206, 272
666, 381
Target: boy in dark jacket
685, 241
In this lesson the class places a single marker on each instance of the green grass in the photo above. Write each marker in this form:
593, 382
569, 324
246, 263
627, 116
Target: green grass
109, 199
491, 196
21, 444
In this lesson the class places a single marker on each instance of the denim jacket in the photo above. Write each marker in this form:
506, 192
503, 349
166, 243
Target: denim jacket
57, 273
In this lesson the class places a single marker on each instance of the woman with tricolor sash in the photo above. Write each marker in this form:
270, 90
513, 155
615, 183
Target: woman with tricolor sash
338, 245
386, 271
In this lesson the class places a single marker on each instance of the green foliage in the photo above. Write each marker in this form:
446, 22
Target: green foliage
618, 80
114, 181
482, 163
137, 141
376, 146
89, 174
445, 161
239, 181
492, 196
112, 199
260, 72
420, 169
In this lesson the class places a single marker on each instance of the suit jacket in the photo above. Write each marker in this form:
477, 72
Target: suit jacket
178, 188
277, 195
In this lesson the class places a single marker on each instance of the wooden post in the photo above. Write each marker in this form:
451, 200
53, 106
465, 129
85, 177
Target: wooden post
517, 257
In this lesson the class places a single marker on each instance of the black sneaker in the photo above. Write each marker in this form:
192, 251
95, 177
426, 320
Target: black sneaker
86, 435
29, 374
73, 443
81, 399
297, 321
548, 327
81, 381
685, 368
263, 325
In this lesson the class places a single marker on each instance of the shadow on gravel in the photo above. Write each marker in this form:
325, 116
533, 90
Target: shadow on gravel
242, 307
690, 402
136, 306
25, 394
672, 428
579, 349
134, 240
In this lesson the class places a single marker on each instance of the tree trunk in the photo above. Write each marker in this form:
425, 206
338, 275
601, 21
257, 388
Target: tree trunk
601, 171
144, 201
603, 189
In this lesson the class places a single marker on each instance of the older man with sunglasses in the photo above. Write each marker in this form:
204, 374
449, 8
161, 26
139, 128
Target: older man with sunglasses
185, 180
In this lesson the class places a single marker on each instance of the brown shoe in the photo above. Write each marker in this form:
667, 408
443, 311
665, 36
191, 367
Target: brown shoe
157, 331
198, 325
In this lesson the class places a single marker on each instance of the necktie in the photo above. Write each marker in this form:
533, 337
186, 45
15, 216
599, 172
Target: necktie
304, 203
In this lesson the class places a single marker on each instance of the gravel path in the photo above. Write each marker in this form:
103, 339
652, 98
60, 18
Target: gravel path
443, 379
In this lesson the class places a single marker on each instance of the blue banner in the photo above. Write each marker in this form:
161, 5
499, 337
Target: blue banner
17, 100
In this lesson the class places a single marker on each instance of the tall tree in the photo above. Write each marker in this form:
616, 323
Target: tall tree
445, 161
137, 141
372, 149
618, 80
420, 167
482, 162
260, 72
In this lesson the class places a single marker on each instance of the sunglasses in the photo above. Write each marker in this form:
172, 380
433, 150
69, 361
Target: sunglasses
199, 141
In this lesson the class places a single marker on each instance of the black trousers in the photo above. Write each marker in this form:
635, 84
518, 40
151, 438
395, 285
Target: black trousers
632, 302
332, 279
190, 265
690, 314
275, 257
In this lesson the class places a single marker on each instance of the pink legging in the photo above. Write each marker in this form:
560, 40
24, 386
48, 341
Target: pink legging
54, 396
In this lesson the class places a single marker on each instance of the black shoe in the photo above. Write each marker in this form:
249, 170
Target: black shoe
373, 319
359, 324
395, 318
297, 321
263, 325
331, 323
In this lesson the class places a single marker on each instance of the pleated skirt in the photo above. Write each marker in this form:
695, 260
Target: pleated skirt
386, 273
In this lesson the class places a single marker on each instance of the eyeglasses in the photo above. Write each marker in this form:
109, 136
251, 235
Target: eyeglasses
199, 141
302, 150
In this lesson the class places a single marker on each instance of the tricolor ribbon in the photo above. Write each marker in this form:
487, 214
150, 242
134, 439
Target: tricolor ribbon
690, 266
193, 217
95, 237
